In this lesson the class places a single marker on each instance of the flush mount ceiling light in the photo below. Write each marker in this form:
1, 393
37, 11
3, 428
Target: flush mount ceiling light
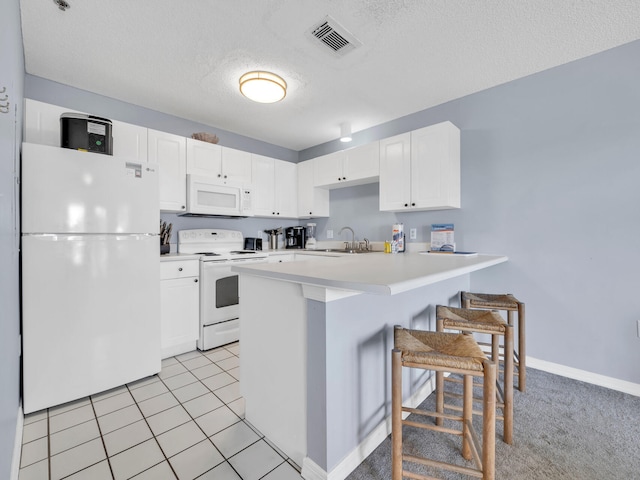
345, 132
263, 87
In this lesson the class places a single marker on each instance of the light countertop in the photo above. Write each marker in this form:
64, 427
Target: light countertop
378, 273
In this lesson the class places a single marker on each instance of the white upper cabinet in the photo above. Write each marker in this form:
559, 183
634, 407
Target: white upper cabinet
225, 165
204, 159
312, 202
286, 189
355, 166
274, 187
395, 172
169, 152
420, 170
42, 126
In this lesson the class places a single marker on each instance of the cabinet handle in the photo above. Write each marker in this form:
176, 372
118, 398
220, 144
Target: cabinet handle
413, 204
310, 213
406, 204
225, 176
219, 175
195, 280
180, 269
182, 207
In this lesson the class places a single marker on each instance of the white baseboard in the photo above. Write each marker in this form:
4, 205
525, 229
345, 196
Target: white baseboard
17, 446
584, 376
311, 470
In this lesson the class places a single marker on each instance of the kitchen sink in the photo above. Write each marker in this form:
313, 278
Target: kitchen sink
346, 250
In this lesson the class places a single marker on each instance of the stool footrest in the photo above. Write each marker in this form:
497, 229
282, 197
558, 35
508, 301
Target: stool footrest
445, 466
433, 428
428, 413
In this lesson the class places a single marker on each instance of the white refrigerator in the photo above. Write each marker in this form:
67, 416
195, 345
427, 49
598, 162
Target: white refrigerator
90, 273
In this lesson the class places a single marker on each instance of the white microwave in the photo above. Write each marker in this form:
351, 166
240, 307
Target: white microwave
205, 197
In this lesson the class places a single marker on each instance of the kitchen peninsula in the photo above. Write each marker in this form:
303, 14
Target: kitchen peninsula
315, 338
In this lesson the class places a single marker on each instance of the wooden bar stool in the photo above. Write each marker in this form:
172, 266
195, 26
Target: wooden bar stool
508, 302
487, 322
444, 352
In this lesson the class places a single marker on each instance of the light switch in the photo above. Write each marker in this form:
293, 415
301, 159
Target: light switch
329, 233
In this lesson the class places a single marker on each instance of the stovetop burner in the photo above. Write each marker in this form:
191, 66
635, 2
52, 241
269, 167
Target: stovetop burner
208, 254
243, 252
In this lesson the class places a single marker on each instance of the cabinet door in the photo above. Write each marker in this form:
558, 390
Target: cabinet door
362, 163
204, 159
395, 172
170, 153
179, 317
328, 169
236, 166
42, 122
435, 167
130, 141
312, 202
286, 189
263, 185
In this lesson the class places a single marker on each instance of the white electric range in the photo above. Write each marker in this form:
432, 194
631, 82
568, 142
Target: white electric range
219, 304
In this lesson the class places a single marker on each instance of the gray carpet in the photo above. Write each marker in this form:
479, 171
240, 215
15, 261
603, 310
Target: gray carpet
563, 429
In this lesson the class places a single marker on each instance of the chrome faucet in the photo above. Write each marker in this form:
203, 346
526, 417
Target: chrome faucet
353, 236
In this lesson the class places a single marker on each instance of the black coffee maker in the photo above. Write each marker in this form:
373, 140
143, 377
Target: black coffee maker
294, 237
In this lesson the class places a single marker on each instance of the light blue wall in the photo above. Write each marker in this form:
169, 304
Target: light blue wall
11, 78
550, 177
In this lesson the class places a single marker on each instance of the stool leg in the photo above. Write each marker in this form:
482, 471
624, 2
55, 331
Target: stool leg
396, 414
495, 349
522, 350
439, 382
467, 414
489, 421
508, 384
439, 397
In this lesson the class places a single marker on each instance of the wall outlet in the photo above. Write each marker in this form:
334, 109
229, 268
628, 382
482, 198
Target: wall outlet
413, 233
329, 233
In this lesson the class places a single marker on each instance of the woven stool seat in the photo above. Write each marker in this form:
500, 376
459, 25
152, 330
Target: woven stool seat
443, 352
457, 318
485, 322
447, 350
509, 303
491, 300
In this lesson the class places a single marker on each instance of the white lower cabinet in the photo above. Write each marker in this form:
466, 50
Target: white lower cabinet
281, 258
179, 305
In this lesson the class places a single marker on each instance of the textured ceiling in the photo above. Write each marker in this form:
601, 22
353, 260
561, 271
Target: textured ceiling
185, 58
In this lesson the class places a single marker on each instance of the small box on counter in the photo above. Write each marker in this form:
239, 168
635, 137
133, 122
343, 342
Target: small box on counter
442, 239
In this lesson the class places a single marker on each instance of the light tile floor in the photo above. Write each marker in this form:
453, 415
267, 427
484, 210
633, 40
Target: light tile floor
186, 422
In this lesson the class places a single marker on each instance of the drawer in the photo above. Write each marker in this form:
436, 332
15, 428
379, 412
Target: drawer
179, 269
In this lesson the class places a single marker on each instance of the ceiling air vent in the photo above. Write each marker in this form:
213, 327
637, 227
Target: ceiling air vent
334, 36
